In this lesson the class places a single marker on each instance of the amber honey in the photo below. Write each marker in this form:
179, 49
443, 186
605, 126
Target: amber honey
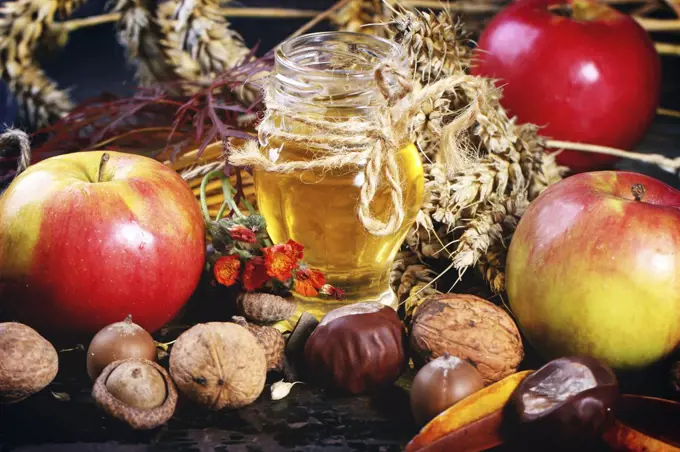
320, 212
330, 76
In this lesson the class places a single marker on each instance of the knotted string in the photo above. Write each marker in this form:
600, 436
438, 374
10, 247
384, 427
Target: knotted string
371, 143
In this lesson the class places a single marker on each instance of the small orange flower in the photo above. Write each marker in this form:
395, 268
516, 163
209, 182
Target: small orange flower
226, 270
282, 259
255, 274
240, 233
308, 281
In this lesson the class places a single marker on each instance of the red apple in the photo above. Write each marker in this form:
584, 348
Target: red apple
84, 242
594, 269
583, 70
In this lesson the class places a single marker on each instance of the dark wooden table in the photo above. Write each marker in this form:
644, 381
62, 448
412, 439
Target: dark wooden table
309, 419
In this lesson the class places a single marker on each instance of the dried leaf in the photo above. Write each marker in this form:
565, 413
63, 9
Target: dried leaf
61, 396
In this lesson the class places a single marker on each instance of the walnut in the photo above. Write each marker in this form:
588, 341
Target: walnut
218, 365
470, 328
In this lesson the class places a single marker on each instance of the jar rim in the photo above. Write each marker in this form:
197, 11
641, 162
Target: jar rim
384, 48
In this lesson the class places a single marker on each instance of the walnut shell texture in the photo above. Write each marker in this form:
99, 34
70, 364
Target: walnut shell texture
137, 418
265, 308
470, 328
28, 362
219, 365
271, 340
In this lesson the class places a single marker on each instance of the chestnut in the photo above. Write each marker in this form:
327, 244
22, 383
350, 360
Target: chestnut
440, 384
570, 400
357, 348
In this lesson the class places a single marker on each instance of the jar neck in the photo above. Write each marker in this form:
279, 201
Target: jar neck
332, 73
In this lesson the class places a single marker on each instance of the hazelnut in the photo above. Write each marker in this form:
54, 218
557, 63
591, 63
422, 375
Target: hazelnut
265, 307
440, 384
357, 348
136, 391
218, 365
271, 340
470, 328
28, 362
118, 341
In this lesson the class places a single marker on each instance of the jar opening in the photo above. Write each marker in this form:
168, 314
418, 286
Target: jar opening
333, 68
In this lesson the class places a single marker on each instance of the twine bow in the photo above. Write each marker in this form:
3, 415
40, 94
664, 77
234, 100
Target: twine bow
371, 143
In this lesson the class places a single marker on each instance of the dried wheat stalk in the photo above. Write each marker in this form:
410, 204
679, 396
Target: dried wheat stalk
138, 32
478, 183
361, 16
24, 24
197, 42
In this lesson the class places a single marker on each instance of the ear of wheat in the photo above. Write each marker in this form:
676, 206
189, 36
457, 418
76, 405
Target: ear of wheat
139, 33
479, 182
361, 16
23, 26
197, 42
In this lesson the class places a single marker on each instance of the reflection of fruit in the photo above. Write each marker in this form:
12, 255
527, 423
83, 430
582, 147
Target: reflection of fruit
85, 241
580, 68
593, 271
482, 409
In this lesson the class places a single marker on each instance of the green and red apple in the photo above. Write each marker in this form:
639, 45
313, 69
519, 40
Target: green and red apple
594, 268
85, 241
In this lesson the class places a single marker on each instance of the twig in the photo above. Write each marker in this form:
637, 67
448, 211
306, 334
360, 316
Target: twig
658, 24
269, 13
665, 48
320, 17
674, 5
665, 163
273, 13
466, 7
668, 112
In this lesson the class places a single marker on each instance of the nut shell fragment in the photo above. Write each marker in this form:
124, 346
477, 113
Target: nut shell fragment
470, 328
137, 418
28, 362
218, 365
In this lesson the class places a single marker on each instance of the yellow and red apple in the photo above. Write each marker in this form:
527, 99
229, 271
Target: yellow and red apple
594, 269
87, 239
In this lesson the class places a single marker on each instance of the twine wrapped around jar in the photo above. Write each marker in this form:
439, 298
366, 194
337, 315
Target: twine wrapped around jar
373, 142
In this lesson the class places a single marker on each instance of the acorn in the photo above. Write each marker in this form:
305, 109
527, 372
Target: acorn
136, 391
119, 341
440, 384
265, 307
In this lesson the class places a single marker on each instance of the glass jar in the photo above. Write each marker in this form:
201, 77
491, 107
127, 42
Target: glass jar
331, 76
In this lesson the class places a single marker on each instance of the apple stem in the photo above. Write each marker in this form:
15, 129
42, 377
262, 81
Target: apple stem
563, 10
638, 191
102, 163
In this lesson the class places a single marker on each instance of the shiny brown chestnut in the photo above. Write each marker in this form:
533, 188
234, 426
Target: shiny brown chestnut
569, 401
357, 348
